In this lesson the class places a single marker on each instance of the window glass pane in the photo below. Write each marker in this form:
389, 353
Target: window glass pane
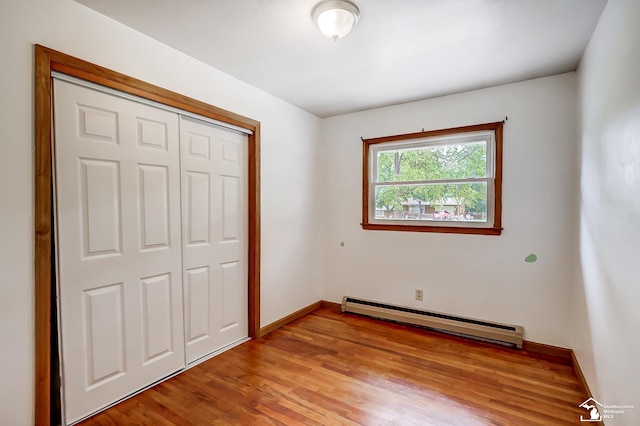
464, 202
451, 161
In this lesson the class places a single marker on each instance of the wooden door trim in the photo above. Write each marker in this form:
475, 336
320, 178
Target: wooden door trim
46, 61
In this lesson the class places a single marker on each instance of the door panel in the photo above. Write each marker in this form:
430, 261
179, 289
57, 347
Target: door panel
101, 222
154, 206
157, 317
104, 339
197, 304
231, 204
214, 201
231, 295
197, 198
118, 246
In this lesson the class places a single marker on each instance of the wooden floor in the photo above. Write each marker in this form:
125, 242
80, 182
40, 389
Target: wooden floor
334, 369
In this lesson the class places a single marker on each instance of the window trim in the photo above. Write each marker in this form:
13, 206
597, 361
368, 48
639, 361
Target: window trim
494, 229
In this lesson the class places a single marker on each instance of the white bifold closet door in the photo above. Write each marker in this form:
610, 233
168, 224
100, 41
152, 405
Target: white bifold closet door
214, 235
132, 223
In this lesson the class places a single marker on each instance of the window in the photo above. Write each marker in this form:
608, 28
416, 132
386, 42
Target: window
435, 181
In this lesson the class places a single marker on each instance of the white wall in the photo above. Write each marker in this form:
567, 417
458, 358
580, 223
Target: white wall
289, 168
608, 345
478, 276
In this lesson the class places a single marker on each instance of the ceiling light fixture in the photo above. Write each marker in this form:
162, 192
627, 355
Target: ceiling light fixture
336, 18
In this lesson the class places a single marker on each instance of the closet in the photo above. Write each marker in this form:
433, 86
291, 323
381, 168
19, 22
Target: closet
151, 234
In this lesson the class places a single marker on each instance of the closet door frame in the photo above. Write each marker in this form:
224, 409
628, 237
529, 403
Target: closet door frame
46, 61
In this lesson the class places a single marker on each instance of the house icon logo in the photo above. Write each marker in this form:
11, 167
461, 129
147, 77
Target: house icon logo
593, 407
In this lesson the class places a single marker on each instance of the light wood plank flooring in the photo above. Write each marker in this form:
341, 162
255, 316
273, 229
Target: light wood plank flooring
335, 369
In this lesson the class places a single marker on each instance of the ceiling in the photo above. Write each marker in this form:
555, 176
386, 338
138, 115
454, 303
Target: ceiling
400, 51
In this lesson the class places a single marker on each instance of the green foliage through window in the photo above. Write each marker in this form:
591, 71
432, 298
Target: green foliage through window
443, 180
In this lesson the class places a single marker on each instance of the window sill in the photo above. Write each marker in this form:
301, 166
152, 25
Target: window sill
435, 229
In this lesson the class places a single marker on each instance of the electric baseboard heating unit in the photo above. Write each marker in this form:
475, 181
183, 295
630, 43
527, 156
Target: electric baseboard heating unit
482, 330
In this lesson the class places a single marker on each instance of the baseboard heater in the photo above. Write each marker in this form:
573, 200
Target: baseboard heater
504, 334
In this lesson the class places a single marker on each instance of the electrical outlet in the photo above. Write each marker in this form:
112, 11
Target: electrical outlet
419, 294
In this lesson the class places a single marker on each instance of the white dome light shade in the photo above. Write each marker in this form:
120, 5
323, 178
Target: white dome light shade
336, 18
